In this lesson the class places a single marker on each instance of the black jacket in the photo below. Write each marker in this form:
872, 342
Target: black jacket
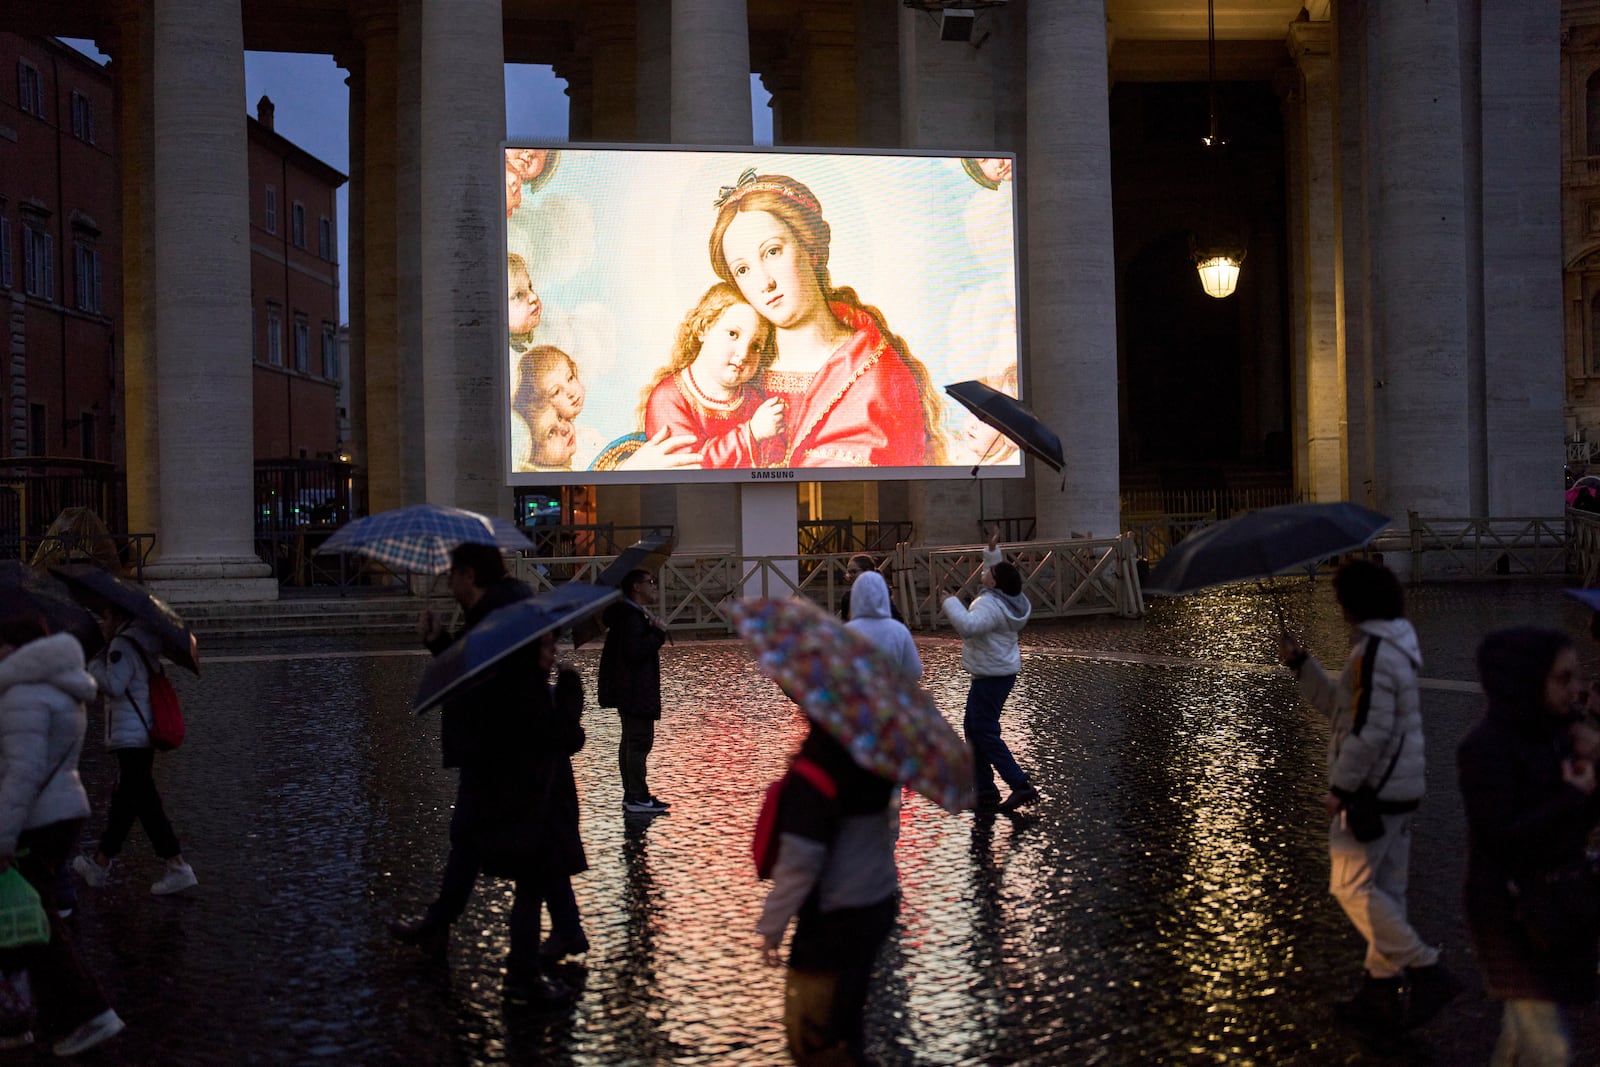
457, 735
630, 662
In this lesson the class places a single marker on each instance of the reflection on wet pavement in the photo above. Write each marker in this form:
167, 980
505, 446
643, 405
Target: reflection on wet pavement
1165, 903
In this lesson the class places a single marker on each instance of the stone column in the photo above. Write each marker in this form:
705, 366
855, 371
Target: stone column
711, 105
1418, 248
946, 101
1291, 99
200, 183
463, 265
405, 118
653, 20
1350, 62
1315, 196
827, 70
131, 70
614, 54
1072, 330
356, 265
877, 74
1524, 382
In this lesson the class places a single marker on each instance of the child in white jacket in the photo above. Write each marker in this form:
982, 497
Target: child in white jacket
989, 652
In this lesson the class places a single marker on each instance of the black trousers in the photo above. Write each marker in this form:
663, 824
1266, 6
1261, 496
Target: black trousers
65, 994
135, 798
830, 973
638, 738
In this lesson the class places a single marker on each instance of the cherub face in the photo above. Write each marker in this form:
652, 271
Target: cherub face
729, 349
996, 170
564, 391
523, 309
554, 439
513, 191
770, 267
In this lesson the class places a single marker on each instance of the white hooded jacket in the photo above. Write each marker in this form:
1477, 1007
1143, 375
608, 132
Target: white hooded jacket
989, 628
42, 689
869, 615
124, 680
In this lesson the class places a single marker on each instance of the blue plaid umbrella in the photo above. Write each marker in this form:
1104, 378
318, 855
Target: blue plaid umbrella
419, 538
475, 656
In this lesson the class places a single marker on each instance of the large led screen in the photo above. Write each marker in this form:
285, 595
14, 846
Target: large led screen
716, 315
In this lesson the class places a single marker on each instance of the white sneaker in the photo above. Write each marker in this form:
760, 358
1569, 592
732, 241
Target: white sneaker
92, 873
102, 1027
176, 880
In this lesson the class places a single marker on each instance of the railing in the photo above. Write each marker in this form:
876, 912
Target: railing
1583, 545
1153, 533
1218, 502
1061, 578
132, 549
824, 536
1485, 548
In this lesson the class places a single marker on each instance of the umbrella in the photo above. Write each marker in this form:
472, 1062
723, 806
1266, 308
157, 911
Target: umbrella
1011, 417
419, 538
646, 554
471, 659
28, 592
94, 586
1584, 493
1262, 543
1589, 598
841, 680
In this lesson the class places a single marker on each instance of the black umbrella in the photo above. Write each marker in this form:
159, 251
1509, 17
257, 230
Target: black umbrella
26, 592
472, 658
646, 554
1011, 417
93, 586
1259, 544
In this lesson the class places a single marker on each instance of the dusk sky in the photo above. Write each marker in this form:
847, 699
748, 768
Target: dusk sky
312, 109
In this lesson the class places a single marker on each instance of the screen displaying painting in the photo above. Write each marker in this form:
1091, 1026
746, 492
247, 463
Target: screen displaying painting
736, 316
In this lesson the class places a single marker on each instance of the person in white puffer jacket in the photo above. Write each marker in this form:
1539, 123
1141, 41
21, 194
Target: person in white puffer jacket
42, 807
990, 653
123, 671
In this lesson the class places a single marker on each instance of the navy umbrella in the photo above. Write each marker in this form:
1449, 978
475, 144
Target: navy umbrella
1259, 544
27, 592
474, 656
95, 586
1011, 417
646, 554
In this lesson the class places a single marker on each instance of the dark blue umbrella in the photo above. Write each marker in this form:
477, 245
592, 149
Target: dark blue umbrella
1011, 417
1259, 544
474, 656
1589, 598
95, 586
646, 554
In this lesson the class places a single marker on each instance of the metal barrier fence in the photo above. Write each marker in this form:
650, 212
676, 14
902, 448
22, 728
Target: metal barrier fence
1061, 578
1445, 548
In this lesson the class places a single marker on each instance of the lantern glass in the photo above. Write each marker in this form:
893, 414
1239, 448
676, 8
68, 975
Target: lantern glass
1219, 275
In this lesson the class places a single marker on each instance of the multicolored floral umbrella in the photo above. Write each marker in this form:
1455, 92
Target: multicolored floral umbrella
841, 680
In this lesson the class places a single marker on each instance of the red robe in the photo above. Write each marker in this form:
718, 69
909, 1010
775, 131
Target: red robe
721, 429
862, 409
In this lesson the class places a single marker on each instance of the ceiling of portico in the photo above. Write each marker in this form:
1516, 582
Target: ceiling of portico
1185, 20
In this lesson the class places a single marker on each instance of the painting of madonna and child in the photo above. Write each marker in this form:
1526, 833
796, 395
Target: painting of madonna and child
729, 316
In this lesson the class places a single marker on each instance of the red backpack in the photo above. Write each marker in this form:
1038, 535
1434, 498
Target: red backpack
764, 845
165, 724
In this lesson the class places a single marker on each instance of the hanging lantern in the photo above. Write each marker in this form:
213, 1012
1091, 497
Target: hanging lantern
1217, 261
1219, 272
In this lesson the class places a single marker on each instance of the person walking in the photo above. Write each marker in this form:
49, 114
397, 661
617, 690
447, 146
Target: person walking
990, 653
500, 738
630, 681
872, 615
1375, 785
123, 669
43, 686
1531, 804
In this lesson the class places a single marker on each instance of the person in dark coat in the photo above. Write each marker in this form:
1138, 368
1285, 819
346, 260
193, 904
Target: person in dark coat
1530, 807
630, 681
516, 805
860, 564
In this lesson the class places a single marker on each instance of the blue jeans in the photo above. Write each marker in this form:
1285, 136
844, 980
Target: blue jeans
1533, 1033
982, 727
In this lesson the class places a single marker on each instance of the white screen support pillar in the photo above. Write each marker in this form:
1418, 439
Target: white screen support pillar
768, 526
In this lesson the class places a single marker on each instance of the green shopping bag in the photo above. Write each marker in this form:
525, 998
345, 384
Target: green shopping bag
22, 917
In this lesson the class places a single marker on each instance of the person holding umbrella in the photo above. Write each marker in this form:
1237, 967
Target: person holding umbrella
123, 670
990, 653
630, 681
1376, 783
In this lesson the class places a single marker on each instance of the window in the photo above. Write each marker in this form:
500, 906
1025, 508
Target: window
38, 263
30, 90
272, 210
36, 435
82, 117
302, 345
274, 337
330, 352
5, 252
86, 277
298, 224
86, 431
325, 237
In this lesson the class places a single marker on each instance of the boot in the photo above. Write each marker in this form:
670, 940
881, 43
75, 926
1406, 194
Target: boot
1432, 988
1381, 1005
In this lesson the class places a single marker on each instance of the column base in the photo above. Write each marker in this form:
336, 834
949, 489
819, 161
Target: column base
211, 580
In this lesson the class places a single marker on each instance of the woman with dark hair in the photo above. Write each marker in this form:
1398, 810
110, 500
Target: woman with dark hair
1531, 804
43, 685
630, 681
854, 395
855, 567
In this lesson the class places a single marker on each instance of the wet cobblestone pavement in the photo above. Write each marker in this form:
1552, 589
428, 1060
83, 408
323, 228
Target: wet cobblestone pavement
1165, 903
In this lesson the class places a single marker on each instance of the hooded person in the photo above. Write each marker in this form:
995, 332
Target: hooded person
990, 653
1531, 804
871, 615
1376, 781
